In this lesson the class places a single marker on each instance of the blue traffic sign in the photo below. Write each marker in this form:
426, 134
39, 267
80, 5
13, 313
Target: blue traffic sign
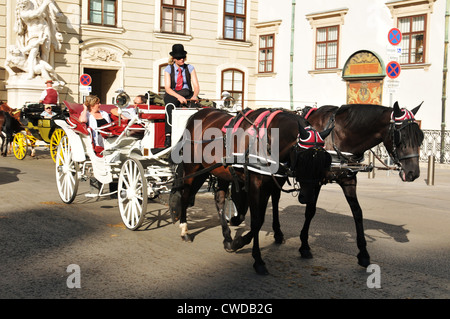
394, 36
393, 69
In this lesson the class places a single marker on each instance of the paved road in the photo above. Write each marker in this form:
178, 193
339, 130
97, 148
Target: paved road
407, 227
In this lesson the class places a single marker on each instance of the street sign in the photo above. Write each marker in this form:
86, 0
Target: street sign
85, 89
393, 52
394, 36
85, 79
393, 69
393, 85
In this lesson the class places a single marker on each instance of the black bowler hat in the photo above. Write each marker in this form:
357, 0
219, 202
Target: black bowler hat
178, 51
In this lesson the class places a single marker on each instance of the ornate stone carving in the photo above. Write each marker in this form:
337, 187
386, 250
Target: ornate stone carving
37, 35
100, 55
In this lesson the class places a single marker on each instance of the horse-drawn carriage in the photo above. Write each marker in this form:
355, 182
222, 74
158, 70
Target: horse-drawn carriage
133, 160
38, 129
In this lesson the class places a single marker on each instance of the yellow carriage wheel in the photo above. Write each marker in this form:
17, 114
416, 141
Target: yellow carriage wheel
54, 141
20, 145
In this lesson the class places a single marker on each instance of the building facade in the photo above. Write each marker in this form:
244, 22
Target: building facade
284, 53
125, 44
338, 52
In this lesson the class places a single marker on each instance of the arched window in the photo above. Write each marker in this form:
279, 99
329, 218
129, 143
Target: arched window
233, 82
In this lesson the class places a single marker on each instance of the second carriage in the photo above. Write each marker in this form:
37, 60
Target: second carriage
38, 130
133, 162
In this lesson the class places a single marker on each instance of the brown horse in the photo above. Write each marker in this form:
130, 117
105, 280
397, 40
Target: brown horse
8, 127
230, 155
357, 128
9, 124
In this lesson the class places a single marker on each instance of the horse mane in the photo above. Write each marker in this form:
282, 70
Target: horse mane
361, 115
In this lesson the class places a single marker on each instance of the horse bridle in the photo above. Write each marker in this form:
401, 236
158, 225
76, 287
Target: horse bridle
395, 129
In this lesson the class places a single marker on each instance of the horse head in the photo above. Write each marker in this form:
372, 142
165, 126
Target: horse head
310, 161
403, 143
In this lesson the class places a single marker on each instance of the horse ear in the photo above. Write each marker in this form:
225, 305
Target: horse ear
414, 110
303, 134
325, 133
397, 111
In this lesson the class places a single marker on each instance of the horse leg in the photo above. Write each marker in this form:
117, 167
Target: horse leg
190, 188
278, 234
240, 200
349, 188
258, 203
219, 197
310, 211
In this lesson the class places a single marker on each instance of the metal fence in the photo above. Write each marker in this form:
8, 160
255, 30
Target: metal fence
431, 146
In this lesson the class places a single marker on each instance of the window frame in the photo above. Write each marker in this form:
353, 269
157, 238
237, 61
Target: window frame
161, 84
266, 49
174, 9
327, 42
233, 91
411, 34
102, 14
235, 16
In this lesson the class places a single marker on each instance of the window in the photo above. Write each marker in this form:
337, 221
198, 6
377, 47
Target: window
266, 46
233, 83
173, 13
103, 12
413, 39
234, 20
161, 86
327, 44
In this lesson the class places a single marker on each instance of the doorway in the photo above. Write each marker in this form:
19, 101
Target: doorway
102, 83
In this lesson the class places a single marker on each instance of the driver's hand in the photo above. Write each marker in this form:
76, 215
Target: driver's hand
182, 100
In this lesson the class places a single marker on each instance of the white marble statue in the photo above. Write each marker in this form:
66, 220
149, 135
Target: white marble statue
37, 35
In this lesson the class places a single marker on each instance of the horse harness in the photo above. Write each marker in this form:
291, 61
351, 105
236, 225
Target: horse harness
396, 126
348, 164
257, 127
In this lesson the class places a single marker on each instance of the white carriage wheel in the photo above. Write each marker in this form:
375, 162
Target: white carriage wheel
66, 172
229, 209
132, 194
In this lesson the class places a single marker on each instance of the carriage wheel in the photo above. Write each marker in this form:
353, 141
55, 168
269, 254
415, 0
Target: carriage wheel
66, 172
132, 194
54, 142
229, 209
20, 145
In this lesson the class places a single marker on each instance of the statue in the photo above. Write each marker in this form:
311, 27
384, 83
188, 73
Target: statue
37, 32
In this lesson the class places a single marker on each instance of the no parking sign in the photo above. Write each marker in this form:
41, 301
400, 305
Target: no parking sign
393, 69
85, 79
395, 36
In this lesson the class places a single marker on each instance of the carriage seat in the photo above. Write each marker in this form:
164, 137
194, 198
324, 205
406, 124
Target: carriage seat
154, 113
75, 110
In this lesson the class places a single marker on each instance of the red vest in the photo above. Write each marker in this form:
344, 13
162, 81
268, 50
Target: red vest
52, 96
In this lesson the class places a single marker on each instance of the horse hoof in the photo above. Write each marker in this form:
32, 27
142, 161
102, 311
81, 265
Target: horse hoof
279, 239
237, 243
363, 261
227, 246
260, 269
186, 238
305, 253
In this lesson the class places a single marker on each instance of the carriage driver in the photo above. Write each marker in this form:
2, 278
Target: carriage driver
180, 83
49, 98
